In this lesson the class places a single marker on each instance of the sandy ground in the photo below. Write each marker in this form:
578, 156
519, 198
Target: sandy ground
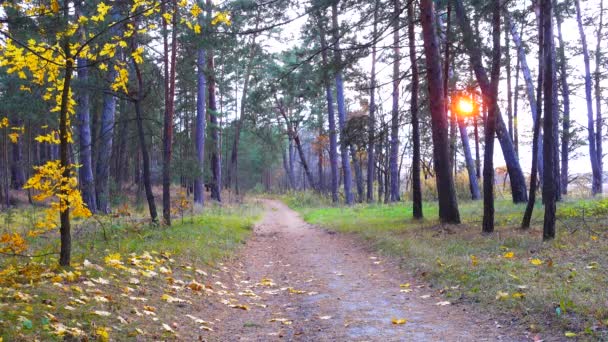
321, 286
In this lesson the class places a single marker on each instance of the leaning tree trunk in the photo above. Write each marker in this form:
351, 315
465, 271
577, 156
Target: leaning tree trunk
199, 135
394, 150
516, 176
566, 103
333, 140
416, 186
596, 185
466, 148
550, 123
142, 143
348, 195
532, 99
448, 206
490, 127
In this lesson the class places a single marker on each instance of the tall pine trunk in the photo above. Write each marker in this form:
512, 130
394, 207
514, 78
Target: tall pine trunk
596, 184
416, 184
201, 121
333, 140
566, 103
371, 122
85, 172
490, 127
169, 110
348, 195
550, 188
598, 98
448, 206
394, 150
516, 176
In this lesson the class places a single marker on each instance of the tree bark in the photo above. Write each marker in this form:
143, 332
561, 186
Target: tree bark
348, 195
550, 122
598, 98
201, 121
17, 162
490, 127
371, 123
466, 148
596, 185
102, 174
333, 140
532, 99
416, 184
169, 111
64, 228
516, 176
448, 206
394, 148
87, 182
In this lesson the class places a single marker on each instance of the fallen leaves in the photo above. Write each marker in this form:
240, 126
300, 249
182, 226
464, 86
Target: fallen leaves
398, 321
283, 321
536, 262
508, 255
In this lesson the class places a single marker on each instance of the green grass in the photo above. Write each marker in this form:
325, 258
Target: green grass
469, 267
34, 292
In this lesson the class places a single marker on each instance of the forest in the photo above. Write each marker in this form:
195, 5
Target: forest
321, 170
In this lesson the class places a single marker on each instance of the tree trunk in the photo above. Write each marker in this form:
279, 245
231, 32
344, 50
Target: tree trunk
341, 109
448, 206
216, 162
102, 174
358, 174
566, 105
333, 140
550, 122
169, 111
394, 150
598, 98
464, 136
490, 126
87, 183
201, 118
596, 186
64, 228
233, 169
516, 176
509, 88
17, 162
371, 123
416, 186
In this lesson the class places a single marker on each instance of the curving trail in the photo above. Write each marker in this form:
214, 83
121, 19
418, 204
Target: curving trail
328, 288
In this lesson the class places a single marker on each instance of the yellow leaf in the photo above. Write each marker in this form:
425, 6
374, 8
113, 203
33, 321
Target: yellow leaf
398, 320
500, 295
102, 334
474, 260
518, 295
239, 306
282, 320
294, 291
536, 262
404, 286
54, 6
508, 255
570, 334
594, 238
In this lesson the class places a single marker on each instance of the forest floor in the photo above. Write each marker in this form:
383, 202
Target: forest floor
308, 284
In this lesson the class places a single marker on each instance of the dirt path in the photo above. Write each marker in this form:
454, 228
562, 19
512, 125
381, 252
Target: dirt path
320, 286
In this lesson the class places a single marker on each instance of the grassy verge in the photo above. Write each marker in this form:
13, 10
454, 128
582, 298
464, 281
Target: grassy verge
128, 280
556, 286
